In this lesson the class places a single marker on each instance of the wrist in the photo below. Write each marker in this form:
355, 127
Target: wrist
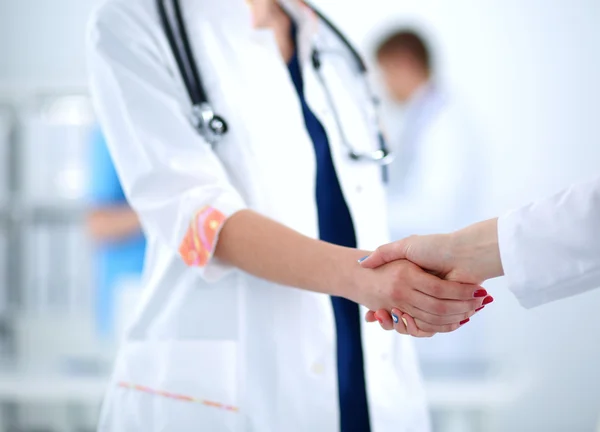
348, 275
476, 249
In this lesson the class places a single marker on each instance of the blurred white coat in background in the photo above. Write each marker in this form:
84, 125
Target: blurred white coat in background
436, 180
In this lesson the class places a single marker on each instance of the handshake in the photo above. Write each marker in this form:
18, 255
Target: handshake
437, 279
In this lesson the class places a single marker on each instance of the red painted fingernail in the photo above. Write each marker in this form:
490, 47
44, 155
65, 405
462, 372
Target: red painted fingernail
488, 300
477, 310
480, 293
465, 321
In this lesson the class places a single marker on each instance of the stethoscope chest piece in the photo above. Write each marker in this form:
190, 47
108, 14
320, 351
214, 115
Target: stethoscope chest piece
210, 125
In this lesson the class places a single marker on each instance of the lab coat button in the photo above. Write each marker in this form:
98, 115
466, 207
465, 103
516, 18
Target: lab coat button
318, 368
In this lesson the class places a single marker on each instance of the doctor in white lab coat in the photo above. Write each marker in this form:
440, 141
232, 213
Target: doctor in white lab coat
435, 180
220, 341
547, 250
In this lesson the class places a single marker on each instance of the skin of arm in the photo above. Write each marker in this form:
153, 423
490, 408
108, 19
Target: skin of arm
112, 224
471, 255
269, 250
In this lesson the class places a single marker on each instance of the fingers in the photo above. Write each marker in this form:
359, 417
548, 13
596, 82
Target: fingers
428, 297
418, 328
395, 321
436, 323
382, 316
404, 324
385, 254
370, 317
432, 297
441, 312
441, 289
448, 328
385, 320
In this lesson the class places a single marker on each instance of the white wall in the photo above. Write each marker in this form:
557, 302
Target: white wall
42, 45
530, 72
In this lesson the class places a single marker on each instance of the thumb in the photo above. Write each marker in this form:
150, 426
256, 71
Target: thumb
385, 254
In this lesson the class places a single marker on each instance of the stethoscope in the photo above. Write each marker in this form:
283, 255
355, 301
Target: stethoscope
213, 127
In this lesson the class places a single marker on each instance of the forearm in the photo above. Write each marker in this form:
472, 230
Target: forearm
113, 224
271, 251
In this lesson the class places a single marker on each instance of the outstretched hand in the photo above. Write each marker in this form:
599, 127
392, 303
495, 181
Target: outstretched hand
437, 306
469, 256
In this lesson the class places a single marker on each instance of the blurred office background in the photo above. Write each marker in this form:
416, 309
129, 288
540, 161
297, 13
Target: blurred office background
528, 70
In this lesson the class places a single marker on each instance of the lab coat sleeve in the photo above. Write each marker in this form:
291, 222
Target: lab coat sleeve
550, 249
170, 175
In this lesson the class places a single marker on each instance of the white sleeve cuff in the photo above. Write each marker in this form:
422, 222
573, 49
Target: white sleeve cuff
509, 254
532, 270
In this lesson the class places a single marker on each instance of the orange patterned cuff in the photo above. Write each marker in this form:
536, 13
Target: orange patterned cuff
199, 241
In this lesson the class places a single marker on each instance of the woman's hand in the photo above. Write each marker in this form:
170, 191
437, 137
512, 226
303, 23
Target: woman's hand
404, 324
438, 306
470, 255
401, 322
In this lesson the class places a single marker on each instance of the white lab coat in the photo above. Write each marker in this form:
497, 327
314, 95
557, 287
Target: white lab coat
550, 249
213, 348
435, 181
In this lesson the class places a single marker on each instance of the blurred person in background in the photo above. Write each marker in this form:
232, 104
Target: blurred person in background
434, 179
247, 321
115, 228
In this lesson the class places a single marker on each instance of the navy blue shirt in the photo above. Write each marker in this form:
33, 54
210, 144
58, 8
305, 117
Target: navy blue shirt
336, 226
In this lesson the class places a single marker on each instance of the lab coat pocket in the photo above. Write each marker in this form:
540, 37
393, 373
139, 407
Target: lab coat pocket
188, 385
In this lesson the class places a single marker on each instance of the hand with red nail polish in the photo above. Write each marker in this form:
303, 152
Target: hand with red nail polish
384, 318
469, 256
421, 328
436, 305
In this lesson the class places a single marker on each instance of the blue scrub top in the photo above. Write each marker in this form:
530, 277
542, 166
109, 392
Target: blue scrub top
336, 226
117, 259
